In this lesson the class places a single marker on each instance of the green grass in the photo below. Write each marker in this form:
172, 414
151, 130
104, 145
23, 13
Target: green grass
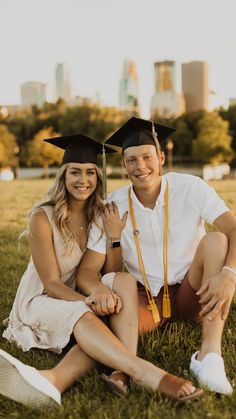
170, 347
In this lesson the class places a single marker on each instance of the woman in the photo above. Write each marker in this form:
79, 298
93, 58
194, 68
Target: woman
48, 309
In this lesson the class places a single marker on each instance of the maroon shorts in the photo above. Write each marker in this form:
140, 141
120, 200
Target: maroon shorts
184, 304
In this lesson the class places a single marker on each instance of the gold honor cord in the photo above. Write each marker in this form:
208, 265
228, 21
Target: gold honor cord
166, 299
104, 175
166, 308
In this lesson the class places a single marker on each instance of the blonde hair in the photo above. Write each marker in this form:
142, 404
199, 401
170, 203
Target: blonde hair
58, 198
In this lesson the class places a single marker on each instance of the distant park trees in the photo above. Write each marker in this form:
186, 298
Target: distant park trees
203, 137
213, 143
207, 137
41, 153
8, 148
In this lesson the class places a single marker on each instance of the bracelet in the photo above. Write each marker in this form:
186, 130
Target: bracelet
227, 268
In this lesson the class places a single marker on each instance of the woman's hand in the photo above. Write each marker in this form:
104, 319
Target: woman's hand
103, 301
113, 224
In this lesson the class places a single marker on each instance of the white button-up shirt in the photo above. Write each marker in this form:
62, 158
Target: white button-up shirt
191, 201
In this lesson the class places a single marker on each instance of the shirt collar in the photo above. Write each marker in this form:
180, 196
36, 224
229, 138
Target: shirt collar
160, 200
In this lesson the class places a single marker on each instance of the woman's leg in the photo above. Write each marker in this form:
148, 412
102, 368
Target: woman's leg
74, 365
124, 325
99, 343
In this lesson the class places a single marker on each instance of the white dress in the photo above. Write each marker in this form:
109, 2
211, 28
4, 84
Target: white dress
37, 320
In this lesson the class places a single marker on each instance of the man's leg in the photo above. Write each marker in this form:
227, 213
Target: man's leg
146, 323
124, 325
208, 261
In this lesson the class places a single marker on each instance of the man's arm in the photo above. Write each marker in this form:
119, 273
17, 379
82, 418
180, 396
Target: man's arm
217, 293
100, 298
113, 262
113, 226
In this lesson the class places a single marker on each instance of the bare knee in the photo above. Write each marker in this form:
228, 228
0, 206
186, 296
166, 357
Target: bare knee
209, 258
88, 318
125, 282
216, 243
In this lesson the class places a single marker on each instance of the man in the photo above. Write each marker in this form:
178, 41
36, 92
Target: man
181, 270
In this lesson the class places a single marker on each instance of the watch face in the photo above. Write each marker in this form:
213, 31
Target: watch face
115, 244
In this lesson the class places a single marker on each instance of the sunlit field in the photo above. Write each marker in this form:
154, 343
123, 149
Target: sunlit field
170, 347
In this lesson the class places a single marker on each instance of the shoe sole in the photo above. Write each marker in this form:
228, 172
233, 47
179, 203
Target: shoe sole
15, 387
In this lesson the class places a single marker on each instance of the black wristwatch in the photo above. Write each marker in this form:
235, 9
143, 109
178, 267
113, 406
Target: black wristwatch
113, 243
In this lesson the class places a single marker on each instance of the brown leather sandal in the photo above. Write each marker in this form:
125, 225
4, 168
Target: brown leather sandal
118, 381
171, 386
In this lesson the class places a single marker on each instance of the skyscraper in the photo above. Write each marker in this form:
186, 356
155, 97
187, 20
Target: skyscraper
129, 86
166, 101
33, 93
195, 85
63, 88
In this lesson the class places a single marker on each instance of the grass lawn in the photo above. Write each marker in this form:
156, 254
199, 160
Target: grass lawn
170, 347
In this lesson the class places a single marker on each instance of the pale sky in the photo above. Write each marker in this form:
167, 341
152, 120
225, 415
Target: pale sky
93, 37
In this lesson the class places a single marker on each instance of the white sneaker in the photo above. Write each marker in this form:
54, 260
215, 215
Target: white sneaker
210, 372
24, 384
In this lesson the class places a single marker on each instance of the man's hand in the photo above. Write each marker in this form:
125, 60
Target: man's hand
216, 295
113, 224
103, 301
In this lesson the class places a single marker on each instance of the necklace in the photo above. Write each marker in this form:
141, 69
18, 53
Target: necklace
166, 298
78, 224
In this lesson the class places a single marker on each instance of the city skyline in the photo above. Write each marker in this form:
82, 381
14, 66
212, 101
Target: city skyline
166, 101
93, 37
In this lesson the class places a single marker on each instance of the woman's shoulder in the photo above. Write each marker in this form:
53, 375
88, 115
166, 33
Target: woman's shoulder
40, 217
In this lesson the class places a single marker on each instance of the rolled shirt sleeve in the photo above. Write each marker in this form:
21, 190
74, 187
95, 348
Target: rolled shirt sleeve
97, 238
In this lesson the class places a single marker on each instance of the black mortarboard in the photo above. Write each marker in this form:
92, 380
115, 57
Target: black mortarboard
137, 131
80, 148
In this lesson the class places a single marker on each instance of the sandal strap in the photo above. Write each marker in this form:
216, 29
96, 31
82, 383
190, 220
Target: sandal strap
170, 385
117, 386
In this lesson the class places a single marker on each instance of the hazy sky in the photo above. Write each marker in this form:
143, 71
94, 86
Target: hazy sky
93, 37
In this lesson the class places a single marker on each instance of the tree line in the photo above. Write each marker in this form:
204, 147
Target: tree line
206, 137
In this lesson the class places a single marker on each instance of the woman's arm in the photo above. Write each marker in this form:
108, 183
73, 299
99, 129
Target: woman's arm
45, 261
101, 299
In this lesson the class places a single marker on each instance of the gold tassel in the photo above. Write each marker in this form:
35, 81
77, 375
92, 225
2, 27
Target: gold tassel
104, 174
155, 312
166, 309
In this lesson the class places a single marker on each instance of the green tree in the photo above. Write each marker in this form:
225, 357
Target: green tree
182, 139
40, 153
230, 116
213, 143
2, 151
8, 147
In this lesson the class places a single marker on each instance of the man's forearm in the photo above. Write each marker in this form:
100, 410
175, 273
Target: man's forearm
87, 280
113, 261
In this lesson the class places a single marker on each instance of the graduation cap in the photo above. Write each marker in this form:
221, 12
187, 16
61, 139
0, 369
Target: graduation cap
80, 148
137, 131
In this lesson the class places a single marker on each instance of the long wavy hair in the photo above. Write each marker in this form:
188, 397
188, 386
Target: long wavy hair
58, 198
